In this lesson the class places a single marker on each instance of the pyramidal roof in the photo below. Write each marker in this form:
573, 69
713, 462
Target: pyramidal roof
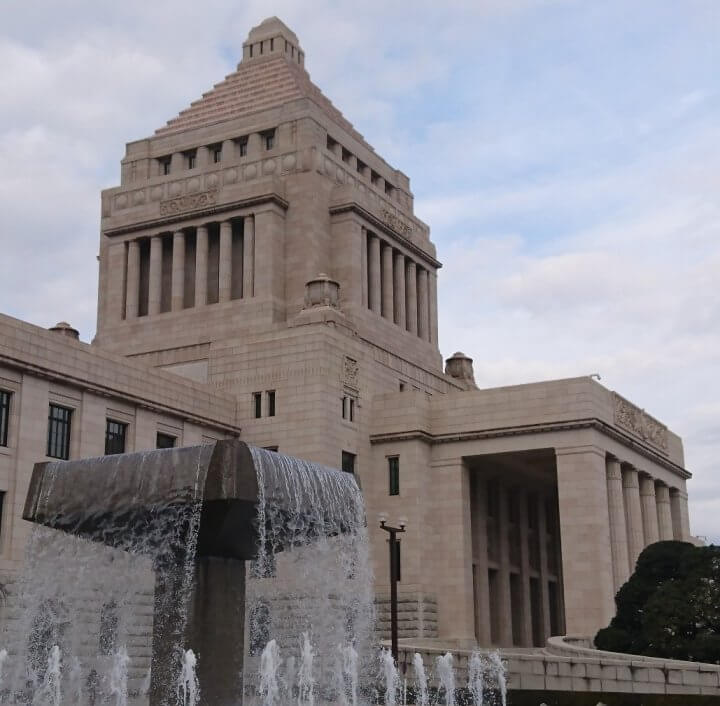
270, 74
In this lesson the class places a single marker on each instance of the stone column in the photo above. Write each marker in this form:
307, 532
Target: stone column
411, 297
201, 266
633, 516
618, 527
374, 285
649, 510
526, 627
400, 318
178, 271
422, 295
225, 262
248, 257
155, 275
544, 570
387, 282
229, 152
177, 162
433, 308
588, 586
503, 575
364, 265
664, 514
478, 522
132, 291
202, 156
452, 552
679, 511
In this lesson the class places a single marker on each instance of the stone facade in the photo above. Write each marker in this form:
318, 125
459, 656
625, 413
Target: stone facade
262, 273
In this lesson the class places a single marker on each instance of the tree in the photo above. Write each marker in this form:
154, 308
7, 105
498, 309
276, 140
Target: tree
670, 606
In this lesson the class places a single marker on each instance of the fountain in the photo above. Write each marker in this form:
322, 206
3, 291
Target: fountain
158, 541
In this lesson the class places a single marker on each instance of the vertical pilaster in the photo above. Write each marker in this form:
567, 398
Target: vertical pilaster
155, 275
374, 283
178, 272
364, 265
649, 510
400, 318
248, 256
665, 524
411, 297
679, 511
132, 291
633, 515
116, 272
585, 537
387, 282
618, 526
201, 266
432, 281
225, 262
423, 308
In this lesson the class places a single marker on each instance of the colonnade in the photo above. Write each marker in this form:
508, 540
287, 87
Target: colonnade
642, 510
399, 288
190, 267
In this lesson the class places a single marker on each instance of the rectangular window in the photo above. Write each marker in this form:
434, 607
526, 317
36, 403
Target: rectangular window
394, 475
217, 154
348, 462
165, 441
343, 403
257, 404
164, 165
191, 159
272, 44
2, 507
345, 155
352, 409
115, 434
58, 445
242, 146
269, 139
4, 417
396, 563
271, 403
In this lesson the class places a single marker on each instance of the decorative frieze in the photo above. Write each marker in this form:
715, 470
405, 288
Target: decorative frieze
396, 223
351, 373
639, 423
190, 202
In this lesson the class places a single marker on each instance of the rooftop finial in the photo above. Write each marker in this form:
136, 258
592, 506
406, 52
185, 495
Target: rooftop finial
272, 37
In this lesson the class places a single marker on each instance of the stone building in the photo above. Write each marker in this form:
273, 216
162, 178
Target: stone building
262, 273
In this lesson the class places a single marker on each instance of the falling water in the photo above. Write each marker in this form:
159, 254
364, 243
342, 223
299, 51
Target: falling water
475, 678
446, 677
422, 697
269, 688
3, 657
498, 669
75, 682
50, 692
350, 674
390, 677
118, 687
289, 678
306, 678
188, 688
312, 574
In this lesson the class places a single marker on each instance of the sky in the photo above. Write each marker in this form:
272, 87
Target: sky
565, 154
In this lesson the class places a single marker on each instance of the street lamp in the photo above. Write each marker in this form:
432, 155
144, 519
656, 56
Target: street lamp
394, 544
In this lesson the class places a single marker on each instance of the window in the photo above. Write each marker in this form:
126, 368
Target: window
271, 403
242, 146
361, 167
257, 404
191, 159
269, 139
2, 505
352, 409
331, 143
108, 628
272, 44
401, 386
4, 417
164, 165
348, 408
115, 434
346, 154
394, 475
374, 177
58, 445
389, 188
348, 462
165, 441
216, 153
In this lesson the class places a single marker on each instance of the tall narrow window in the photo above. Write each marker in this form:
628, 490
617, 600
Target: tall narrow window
352, 410
242, 146
216, 153
394, 475
271, 403
2, 507
115, 435
257, 404
58, 445
164, 165
165, 441
191, 159
4, 417
348, 462
269, 139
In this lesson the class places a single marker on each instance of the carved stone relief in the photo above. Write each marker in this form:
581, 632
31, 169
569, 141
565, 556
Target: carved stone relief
640, 423
188, 203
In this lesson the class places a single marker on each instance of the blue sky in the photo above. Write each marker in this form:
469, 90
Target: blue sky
564, 152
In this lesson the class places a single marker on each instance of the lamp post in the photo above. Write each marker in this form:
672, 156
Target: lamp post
394, 544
